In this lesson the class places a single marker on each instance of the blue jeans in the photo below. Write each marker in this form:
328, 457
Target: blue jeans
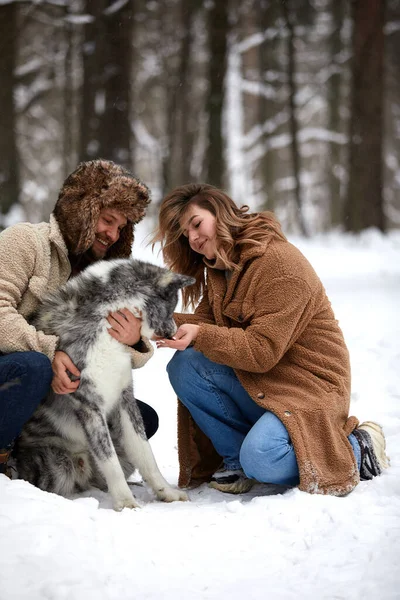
242, 432
25, 379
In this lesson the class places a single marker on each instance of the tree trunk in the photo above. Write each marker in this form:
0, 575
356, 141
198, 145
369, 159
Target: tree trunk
364, 205
178, 149
391, 175
293, 118
68, 100
106, 95
93, 92
249, 23
335, 107
185, 130
115, 141
218, 33
9, 165
270, 104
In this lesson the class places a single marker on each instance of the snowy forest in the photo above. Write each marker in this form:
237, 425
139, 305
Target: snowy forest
289, 105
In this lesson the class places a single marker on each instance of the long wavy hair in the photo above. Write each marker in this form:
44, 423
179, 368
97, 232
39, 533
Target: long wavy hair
235, 229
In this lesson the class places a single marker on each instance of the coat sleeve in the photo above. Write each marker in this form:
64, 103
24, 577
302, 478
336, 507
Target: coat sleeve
202, 314
18, 253
141, 353
282, 310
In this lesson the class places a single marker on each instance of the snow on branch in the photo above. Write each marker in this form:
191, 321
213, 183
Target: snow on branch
29, 99
114, 8
36, 2
79, 19
31, 67
256, 39
144, 137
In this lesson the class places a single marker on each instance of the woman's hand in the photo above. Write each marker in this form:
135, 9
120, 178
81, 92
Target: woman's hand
125, 327
61, 382
185, 336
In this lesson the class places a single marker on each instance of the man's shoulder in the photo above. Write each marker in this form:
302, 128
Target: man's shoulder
26, 233
26, 227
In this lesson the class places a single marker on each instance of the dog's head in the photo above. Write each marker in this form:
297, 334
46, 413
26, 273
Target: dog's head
146, 289
160, 300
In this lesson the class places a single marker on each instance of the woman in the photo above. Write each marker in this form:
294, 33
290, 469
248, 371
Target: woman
262, 370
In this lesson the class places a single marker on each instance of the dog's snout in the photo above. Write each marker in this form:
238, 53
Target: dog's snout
167, 332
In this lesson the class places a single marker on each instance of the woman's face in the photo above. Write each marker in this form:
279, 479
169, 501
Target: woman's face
199, 226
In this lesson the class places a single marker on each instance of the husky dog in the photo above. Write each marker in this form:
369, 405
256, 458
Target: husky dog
95, 436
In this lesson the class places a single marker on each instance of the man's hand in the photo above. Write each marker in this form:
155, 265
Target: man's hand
61, 382
125, 327
185, 335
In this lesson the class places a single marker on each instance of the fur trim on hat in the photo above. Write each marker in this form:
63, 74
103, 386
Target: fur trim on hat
94, 185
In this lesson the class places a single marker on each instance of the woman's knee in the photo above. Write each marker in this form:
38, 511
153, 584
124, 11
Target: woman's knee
254, 456
267, 453
187, 371
180, 366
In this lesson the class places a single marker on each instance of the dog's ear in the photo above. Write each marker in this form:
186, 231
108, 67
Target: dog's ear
183, 280
174, 281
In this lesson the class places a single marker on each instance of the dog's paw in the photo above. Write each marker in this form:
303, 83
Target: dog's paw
122, 503
169, 494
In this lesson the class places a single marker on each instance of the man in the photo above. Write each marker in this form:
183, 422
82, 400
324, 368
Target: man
93, 219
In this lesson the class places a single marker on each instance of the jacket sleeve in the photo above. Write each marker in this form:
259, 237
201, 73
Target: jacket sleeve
18, 253
202, 314
282, 310
141, 353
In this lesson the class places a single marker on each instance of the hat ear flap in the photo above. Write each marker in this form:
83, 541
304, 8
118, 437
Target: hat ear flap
87, 233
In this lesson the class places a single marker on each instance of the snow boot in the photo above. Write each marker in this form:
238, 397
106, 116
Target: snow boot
372, 442
231, 481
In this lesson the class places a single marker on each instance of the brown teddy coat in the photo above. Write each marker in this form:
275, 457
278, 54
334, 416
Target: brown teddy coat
273, 324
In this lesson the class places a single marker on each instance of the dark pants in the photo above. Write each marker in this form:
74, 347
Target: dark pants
25, 379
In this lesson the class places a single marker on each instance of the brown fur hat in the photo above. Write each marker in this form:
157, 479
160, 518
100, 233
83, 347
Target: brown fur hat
94, 185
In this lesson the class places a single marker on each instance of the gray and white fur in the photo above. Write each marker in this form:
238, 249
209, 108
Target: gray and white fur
95, 436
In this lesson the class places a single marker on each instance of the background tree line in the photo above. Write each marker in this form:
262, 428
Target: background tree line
290, 105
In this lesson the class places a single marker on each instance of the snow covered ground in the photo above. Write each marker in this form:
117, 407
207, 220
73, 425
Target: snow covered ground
270, 543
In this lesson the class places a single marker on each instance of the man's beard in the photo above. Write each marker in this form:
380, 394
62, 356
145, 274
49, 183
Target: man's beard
91, 255
81, 261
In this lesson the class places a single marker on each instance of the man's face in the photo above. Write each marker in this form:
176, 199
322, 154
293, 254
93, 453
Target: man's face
109, 227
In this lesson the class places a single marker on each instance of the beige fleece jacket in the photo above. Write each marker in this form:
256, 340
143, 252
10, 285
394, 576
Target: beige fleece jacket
273, 324
33, 262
